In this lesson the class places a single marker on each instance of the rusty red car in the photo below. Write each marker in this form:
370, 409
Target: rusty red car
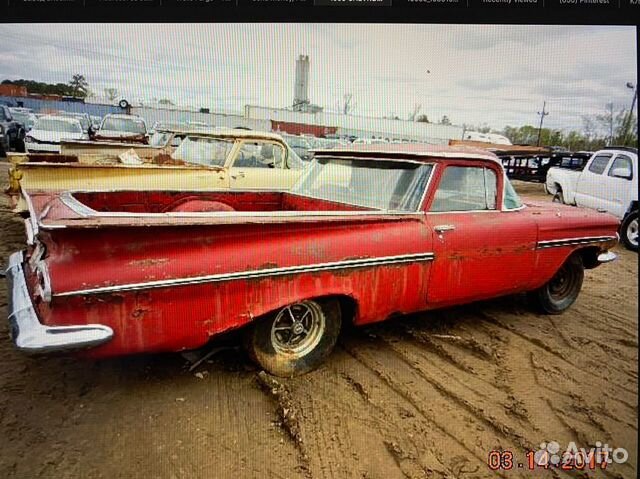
366, 234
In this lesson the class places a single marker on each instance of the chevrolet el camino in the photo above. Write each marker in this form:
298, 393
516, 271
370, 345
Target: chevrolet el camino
204, 161
366, 234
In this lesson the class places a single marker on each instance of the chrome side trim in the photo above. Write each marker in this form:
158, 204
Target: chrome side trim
256, 274
31, 336
573, 241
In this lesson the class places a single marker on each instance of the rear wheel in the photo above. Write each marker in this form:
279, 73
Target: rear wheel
562, 290
629, 231
296, 339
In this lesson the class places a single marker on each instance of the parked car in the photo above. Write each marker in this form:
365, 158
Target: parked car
204, 160
366, 234
11, 131
25, 117
534, 167
609, 182
120, 127
48, 131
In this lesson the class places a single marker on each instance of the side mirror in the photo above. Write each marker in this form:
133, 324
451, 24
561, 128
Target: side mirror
621, 172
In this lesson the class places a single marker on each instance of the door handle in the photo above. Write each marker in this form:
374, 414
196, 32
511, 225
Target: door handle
442, 228
239, 174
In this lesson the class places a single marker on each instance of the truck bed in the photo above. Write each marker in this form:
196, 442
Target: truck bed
171, 208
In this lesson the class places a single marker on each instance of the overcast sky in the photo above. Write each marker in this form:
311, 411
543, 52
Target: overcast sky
498, 75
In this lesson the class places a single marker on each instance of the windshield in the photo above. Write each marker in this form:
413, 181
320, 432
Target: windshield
203, 151
62, 126
127, 125
376, 184
82, 119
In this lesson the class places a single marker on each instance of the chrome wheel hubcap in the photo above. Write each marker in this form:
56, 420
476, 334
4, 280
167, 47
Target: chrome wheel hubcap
298, 328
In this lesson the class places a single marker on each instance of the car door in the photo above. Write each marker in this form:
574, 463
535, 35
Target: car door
590, 187
481, 249
619, 186
260, 164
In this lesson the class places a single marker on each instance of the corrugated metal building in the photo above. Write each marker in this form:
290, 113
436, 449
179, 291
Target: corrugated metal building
360, 126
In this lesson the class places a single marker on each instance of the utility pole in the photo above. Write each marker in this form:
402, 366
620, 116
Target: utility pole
627, 123
542, 114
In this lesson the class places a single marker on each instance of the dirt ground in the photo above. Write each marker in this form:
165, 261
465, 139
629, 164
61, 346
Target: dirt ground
429, 395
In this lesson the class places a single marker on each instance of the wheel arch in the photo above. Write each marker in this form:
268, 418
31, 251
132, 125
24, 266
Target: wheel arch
349, 306
588, 256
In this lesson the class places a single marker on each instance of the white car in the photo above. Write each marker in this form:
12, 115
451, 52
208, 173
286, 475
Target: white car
49, 130
608, 182
120, 127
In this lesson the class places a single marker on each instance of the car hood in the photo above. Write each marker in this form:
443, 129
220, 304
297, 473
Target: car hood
54, 136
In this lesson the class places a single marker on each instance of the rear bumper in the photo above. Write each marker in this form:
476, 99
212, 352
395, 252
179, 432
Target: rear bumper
31, 336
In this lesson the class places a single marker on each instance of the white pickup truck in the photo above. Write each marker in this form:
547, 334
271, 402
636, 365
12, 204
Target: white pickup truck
608, 182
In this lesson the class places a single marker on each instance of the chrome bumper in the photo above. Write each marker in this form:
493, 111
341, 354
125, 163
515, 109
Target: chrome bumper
607, 257
31, 336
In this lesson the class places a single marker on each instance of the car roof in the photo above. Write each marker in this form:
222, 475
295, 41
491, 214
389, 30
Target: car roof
407, 151
627, 149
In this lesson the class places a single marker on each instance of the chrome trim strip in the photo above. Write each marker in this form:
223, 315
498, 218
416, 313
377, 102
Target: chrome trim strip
371, 155
31, 336
256, 274
573, 241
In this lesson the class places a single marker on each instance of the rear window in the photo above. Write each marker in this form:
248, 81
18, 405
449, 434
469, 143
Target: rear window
599, 164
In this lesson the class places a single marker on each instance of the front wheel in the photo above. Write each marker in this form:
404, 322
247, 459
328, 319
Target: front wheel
296, 339
558, 197
629, 231
562, 290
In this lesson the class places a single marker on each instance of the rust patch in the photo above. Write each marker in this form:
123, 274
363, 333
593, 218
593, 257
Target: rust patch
267, 265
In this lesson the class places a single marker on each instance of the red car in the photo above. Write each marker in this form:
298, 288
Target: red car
367, 233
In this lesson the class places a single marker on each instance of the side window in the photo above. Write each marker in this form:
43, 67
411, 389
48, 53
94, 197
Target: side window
258, 154
599, 164
466, 188
621, 168
2, 114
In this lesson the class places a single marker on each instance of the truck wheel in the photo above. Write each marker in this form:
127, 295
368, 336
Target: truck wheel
562, 290
629, 231
296, 339
558, 197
